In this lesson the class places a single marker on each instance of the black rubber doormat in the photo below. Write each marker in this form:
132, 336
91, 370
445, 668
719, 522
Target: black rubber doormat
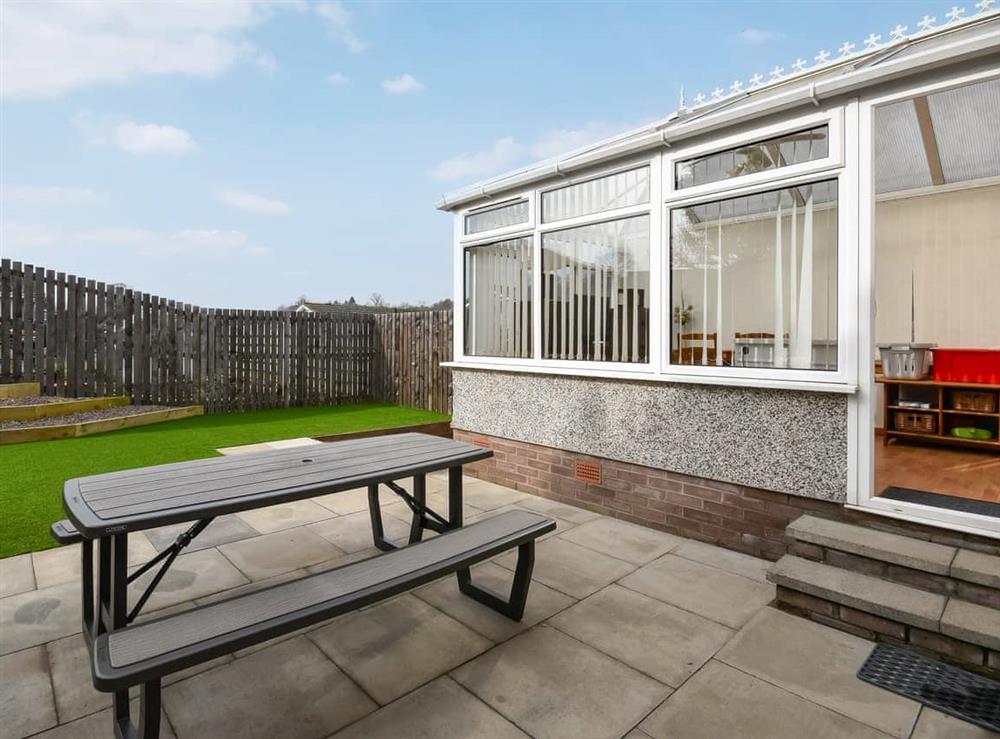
962, 694
951, 502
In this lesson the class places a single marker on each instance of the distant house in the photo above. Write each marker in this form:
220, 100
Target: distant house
309, 307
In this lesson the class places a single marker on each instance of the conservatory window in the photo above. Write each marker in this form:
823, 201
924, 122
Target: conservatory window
761, 156
595, 292
619, 190
498, 216
754, 280
498, 299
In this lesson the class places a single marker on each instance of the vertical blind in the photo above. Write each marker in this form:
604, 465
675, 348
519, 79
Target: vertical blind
595, 292
594, 196
500, 216
498, 299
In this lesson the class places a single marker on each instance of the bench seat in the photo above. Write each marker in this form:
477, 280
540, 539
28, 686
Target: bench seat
148, 651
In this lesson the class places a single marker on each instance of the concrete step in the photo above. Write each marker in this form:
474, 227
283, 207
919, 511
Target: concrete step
63, 407
938, 568
19, 390
861, 592
878, 609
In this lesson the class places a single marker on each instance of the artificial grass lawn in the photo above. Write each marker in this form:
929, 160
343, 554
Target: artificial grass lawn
32, 474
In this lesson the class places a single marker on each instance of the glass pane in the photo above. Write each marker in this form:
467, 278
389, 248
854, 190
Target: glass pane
498, 217
781, 151
595, 292
605, 193
754, 280
498, 299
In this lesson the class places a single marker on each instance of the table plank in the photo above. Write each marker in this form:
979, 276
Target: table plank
137, 499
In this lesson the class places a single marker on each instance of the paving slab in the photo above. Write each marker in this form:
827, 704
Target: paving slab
26, 701
724, 559
344, 559
39, 616
99, 726
636, 544
571, 568
881, 545
707, 591
16, 575
723, 702
972, 623
353, 532
542, 602
396, 646
977, 567
553, 687
283, 551
488, 495
936, 725
289, 689
191, 576
658, 639
819, 664
442, 709
356, 499
554, 508
284, 516
222, 530
65, 564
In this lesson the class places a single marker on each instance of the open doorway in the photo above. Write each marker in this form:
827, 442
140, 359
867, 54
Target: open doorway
937, 284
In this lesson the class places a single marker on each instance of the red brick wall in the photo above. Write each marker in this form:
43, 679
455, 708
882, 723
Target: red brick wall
733, 516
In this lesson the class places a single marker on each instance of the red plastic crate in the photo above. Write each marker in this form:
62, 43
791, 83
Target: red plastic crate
981, 366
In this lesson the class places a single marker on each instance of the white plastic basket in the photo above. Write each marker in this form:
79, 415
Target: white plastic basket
906, 361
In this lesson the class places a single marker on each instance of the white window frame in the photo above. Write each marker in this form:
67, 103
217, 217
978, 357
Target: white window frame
494, 233
833, 118
832, 167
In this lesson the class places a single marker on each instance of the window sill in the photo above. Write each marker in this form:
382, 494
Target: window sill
647, 376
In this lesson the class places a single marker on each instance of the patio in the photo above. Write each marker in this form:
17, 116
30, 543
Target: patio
628, 632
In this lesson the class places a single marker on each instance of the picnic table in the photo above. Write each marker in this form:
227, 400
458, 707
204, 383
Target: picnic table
104, 509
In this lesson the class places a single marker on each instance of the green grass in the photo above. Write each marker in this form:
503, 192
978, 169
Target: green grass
32, 474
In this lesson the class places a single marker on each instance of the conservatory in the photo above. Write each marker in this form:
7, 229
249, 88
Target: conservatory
703, 300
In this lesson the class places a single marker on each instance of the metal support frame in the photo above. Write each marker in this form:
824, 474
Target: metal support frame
513, 606
423, 517
107, 610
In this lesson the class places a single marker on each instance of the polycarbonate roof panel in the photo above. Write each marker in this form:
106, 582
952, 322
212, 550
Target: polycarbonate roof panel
967, 125
900, 162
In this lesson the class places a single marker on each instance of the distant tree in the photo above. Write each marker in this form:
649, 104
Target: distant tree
352, 301
377, 301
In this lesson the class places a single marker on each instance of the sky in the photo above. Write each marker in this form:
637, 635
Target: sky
241, 154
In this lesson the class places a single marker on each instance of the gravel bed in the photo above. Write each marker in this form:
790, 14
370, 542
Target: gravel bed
99, 415
37, 400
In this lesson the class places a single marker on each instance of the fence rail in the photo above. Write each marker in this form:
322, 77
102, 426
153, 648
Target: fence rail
82, 338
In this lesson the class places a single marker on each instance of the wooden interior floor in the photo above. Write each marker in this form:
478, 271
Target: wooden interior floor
936, 469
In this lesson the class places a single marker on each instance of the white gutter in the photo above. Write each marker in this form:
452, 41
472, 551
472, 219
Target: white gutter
751, 105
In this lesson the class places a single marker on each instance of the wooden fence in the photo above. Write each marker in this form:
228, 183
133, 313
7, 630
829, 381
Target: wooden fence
83, 338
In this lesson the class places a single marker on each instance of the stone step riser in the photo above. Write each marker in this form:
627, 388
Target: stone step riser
876, 628
929, 581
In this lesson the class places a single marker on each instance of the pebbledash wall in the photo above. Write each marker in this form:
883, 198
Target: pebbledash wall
727, 465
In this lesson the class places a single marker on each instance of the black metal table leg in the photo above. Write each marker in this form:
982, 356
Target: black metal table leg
375, 513
513, 606
420, 498
455, 497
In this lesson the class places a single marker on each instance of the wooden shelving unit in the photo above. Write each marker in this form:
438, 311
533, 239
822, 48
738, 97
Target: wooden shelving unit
946, 416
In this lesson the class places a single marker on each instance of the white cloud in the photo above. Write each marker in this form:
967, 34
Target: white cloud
757, 36
339, 25
152, 138
135, 138
253, 203
50, 48
562, 140
48, 194
402, 85
41, 242
504, 153
338, 79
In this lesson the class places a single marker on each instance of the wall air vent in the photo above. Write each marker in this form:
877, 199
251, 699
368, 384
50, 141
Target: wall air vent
588, 472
